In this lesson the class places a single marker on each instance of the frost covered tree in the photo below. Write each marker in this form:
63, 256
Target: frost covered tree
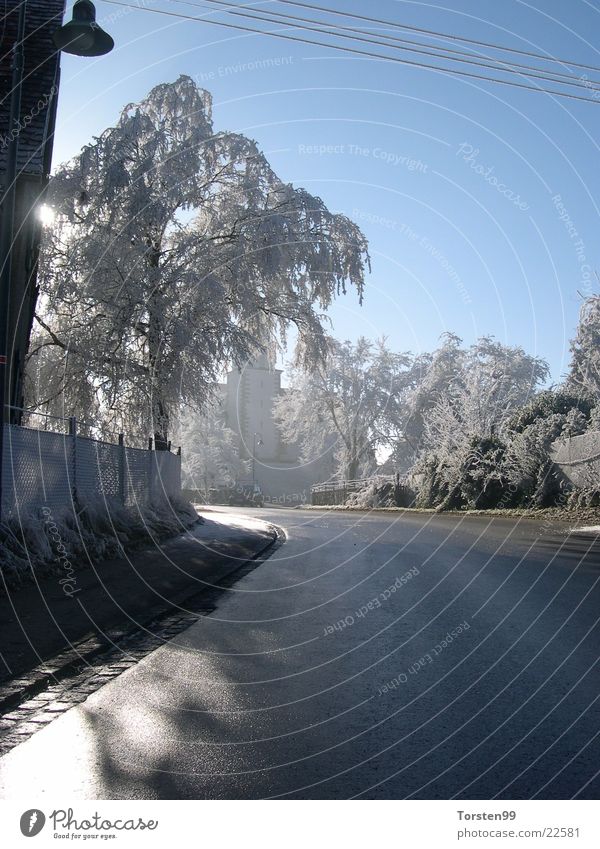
584, 375
463, 448
175, 249
210, 450
431, 375
352, 400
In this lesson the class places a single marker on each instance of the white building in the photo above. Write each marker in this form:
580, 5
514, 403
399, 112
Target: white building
248, 397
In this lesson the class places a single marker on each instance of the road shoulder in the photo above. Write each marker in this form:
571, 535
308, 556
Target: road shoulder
47, 635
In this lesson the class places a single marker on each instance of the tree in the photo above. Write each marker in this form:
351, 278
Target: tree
431, 375
174, 250
210, 451
463, 429
584, 375
353, 400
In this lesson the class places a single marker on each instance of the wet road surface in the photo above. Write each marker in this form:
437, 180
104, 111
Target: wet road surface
371, 655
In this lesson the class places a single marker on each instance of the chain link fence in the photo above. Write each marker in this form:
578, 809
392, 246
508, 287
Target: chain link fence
578, 458
57, 470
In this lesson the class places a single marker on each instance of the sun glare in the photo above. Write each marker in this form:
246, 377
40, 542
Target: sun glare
46, 215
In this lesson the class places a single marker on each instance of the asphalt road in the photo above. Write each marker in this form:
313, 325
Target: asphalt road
372, 656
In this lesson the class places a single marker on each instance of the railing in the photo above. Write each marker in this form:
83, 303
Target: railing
46, 468
336, 492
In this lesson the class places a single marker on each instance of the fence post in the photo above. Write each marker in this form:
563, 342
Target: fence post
150, 469
122, 469
73, 435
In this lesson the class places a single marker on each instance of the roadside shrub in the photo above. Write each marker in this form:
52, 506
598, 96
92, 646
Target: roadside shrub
530, 433
483, 484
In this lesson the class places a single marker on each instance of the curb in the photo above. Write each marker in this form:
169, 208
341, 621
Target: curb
516, 513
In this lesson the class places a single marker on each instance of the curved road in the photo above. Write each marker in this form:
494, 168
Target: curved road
371, 655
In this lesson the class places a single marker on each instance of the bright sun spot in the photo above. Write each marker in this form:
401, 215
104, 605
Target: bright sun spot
45, 214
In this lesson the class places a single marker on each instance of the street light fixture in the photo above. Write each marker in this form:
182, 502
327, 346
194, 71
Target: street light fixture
82, 36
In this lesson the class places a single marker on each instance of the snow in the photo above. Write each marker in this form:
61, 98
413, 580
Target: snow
60, 542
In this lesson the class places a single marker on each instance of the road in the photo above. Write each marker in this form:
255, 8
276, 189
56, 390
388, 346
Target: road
372, 656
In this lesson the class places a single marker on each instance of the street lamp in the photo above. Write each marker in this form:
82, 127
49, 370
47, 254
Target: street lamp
83, 37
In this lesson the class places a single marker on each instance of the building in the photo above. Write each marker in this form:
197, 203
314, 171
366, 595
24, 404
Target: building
249, 394
32, 137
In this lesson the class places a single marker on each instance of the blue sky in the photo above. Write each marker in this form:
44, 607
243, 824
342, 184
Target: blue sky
415, 157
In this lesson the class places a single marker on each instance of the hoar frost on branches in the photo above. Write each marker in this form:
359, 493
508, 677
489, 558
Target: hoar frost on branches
530, 432
174, 250
210, 451
584, 376
462, 458
351, 405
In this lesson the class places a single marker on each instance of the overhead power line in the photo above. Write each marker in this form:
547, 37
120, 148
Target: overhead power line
443, 35
353, 50
340, 31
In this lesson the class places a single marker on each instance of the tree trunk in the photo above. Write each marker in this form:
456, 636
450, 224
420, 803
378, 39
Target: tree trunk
158, 411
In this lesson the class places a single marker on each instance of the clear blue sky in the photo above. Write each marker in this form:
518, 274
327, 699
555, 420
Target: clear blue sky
449, 251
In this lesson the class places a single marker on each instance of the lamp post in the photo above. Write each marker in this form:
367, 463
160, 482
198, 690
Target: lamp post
254, 446
83, 37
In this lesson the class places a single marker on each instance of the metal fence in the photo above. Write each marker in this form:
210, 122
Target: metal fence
42, 468
336, 492
578, 458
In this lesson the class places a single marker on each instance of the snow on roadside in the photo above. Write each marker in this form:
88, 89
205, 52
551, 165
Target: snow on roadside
62, 541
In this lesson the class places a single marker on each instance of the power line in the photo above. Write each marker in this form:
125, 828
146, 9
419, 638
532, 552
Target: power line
466, 53
442, 35
427, 50
353, 51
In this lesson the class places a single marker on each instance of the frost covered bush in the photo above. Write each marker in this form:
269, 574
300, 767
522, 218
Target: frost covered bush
594, 423
210, 455
581, 499
549, 416
471, 479
483, 484
38, 544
